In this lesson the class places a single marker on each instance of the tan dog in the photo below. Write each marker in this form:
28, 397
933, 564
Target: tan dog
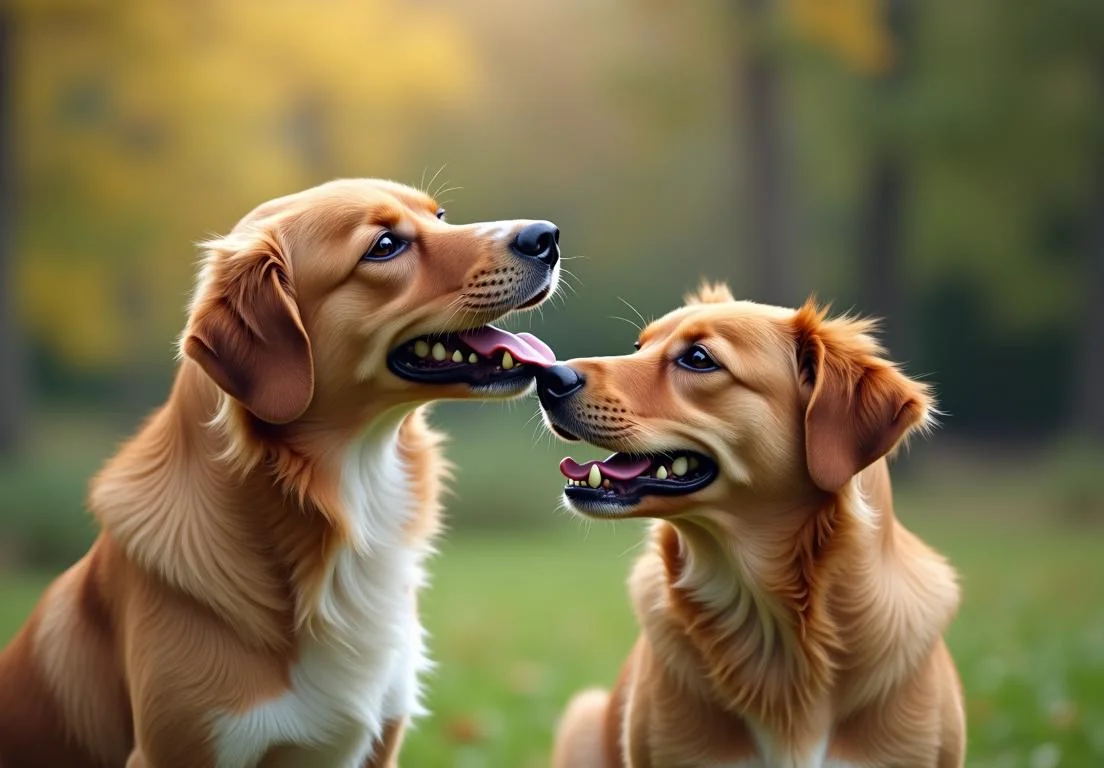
252, 599
788, 620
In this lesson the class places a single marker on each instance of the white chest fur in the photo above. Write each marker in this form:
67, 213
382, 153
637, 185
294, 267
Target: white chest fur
359, 667
772, 757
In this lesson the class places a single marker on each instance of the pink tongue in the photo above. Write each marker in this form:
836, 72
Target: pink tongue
618, 466
523, 347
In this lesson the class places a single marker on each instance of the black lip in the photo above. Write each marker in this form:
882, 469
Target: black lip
563, 433
404, 363
629, 493
540, 296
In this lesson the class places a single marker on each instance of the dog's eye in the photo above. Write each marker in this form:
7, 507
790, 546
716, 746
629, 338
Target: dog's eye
636, 345
697, 359
387, 246
441, 214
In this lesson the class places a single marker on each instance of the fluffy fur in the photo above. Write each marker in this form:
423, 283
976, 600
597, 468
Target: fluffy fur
252, 598
787, 618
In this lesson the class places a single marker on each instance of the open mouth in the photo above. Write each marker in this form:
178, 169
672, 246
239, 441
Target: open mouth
623, 479
480, 357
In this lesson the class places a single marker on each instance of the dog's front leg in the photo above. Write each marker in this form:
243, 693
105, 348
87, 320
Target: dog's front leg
385, 754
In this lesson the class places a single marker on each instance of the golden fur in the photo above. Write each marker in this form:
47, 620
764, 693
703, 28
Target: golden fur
787, 618
225, 526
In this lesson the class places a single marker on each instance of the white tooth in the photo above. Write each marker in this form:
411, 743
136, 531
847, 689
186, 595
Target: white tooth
679, 466
694, 462
661, 473
458, 356
605, 483
472, 358
421, 349
439, 352
507, 361
595, 477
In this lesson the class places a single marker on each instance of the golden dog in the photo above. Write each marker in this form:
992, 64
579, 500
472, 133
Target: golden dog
787, 618
251, 599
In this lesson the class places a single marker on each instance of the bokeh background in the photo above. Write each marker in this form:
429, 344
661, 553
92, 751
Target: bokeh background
939, 164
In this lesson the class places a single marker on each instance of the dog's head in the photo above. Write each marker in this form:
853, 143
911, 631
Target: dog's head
726, 401
357, 295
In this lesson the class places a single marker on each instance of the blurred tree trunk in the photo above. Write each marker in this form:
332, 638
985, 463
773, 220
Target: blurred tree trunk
769, 244
1089, 416
884, 293
133, 397
12, 388
309, 137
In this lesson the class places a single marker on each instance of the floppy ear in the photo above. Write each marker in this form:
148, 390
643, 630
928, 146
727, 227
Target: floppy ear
859, 405
246, 333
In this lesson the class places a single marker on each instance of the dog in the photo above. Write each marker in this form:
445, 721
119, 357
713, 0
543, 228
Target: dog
787, 618
252, 596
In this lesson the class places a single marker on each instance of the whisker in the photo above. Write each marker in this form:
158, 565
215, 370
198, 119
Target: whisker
566, 277
626, 320
454, 308
634, 309
434, 178
635, 545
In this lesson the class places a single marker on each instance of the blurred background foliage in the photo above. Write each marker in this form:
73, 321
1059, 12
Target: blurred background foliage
939, 164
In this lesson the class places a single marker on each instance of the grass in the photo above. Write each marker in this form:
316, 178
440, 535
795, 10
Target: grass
519, 622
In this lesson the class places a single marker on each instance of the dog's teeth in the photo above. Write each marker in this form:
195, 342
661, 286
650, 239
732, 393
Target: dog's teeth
439, 352
595, 477
605, 483
507, 361
661, 473
694, 462
458, 356
472, 358
421, 349
679, 466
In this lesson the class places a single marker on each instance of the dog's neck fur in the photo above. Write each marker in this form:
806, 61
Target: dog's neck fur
775, 607
242, 524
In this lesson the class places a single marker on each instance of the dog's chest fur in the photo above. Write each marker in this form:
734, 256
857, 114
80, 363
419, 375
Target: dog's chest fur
816, 757
358, 665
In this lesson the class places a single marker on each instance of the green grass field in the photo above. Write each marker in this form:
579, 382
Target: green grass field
518, 623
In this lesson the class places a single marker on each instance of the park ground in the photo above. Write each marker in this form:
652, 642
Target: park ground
527, 605
519, 622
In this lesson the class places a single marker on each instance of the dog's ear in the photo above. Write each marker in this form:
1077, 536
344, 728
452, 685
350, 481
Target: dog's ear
859, 406
245, 330
709, 293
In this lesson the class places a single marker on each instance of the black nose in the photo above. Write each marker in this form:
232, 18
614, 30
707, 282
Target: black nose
540, 241
556, 383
